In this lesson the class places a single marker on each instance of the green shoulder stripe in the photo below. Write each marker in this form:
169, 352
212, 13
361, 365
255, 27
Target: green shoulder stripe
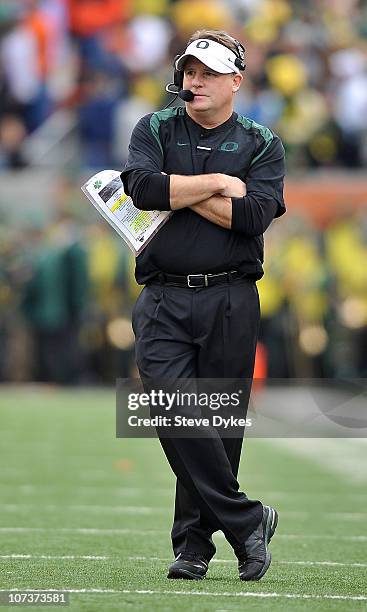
265, 132
163, 115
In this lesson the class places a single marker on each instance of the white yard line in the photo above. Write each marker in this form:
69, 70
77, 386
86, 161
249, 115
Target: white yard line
82, 531
349, 516
233, 561
167, 560
309, 536
360, 497
343, 457
326, 563
84, 508
271, 595
56, 557
301, 514
106, 532
120, 491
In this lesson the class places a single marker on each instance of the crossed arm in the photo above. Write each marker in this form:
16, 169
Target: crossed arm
219, 198
217, 209
209, 195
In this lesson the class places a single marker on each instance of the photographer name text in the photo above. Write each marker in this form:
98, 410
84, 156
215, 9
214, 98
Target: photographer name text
182, 421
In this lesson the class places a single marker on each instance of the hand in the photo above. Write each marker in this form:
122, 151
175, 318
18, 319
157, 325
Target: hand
235, 188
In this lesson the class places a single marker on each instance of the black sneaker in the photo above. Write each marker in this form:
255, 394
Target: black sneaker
189, 566
256, 559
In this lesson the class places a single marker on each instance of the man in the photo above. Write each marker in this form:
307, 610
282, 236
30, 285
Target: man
198, 315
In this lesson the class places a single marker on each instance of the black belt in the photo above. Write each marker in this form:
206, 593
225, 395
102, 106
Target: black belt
197, 280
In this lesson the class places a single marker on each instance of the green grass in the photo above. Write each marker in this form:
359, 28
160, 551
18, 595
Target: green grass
62, 470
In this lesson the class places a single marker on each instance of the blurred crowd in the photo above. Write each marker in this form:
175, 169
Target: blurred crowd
67, 289
66, 292
87, 70
106, 62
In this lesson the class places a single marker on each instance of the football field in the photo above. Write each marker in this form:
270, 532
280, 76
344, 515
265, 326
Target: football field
84, 512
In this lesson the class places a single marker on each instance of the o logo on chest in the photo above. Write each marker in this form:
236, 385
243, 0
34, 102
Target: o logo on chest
229, 146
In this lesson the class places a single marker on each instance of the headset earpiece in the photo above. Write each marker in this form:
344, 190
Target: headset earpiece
177, 79
177, 75
241, 55
240, 64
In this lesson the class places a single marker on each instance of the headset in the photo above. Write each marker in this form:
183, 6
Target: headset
178, 75
240, 61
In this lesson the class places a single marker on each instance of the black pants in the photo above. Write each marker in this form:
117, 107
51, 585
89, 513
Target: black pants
209, 332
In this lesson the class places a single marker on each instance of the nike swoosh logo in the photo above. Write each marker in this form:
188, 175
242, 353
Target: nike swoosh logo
183, 144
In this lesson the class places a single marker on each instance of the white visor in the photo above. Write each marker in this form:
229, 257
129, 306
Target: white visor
212, 54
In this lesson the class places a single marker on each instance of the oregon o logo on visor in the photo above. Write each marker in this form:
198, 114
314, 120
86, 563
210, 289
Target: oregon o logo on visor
202, 44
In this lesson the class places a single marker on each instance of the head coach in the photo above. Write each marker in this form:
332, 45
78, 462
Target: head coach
198, 314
